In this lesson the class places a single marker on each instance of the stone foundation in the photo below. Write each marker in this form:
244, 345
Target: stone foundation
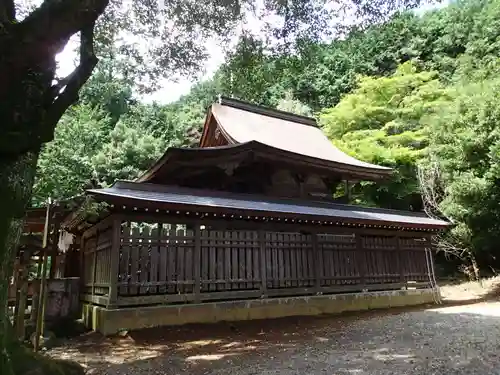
111, 321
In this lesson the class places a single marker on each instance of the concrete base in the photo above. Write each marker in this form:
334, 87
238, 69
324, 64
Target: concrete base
111, 321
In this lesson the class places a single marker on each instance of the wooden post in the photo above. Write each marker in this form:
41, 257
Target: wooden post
81, 271
317, 258
36, 289
21, 305
347, 191
115, 262
361, 256
53, 264
197, 261
94, 262
15, 286
263, 262
399, 257
41, 301
53, 248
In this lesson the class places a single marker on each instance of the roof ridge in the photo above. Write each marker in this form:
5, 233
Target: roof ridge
267, 111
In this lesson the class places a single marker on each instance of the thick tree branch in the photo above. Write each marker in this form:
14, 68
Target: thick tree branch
38, 38
23, 136
57, 20
63, 100
7, 13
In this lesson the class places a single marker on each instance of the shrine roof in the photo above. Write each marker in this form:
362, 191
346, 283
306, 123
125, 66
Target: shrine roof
152, 196
242, 122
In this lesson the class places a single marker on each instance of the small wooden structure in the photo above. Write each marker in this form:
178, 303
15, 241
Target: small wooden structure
250, 214
32, 280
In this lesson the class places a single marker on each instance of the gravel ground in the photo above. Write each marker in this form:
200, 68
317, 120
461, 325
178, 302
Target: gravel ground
447, 340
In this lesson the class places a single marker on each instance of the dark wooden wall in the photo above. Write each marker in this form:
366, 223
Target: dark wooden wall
172, 263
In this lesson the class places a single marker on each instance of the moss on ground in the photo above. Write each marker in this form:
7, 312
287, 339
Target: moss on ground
26, 362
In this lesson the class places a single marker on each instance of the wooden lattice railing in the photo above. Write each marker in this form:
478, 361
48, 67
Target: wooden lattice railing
173, 263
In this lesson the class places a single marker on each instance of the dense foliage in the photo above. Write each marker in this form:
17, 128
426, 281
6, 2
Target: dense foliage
418, 93
381, 122
465, 150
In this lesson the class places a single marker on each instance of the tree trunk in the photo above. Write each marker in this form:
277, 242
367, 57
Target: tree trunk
475, 269
31, 106
16, 182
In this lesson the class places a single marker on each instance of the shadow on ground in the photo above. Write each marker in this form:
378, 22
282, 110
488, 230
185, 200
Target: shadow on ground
396, 341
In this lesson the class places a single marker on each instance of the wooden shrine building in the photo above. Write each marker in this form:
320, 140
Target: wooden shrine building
246, 226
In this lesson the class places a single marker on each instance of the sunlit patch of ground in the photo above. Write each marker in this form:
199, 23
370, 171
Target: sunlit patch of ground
437, 339
473, 290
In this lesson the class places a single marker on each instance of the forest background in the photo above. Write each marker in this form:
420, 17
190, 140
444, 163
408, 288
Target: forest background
419, 93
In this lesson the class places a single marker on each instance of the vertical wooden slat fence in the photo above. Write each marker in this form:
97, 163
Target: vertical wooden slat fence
290, 260
338, 259
413, 263
176, 263
96, 262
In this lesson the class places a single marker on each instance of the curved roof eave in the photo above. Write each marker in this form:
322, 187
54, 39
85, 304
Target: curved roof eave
173, 154
152, 195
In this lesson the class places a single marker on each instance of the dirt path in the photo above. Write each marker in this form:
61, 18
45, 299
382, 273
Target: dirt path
446, 340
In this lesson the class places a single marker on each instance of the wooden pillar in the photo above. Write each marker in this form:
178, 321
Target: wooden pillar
60, 267
94, 262
197, 262
82, 271
16, 283
23, 295
40, 316
361, 258
36, 288
115, 262
21, 299
263, 262
53, 246
73, 261
347, 191
399, 257
42, 302
318, 267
